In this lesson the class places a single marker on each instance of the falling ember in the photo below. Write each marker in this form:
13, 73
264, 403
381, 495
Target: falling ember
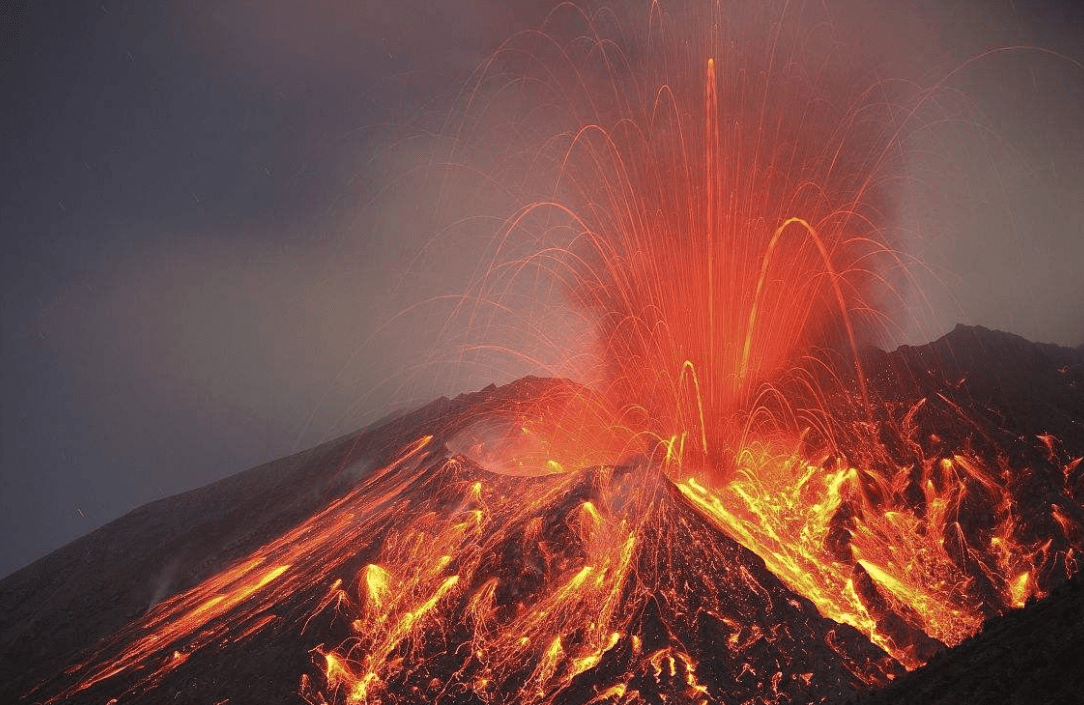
744, 506
729, 238
436, 580
716, 213
463, 585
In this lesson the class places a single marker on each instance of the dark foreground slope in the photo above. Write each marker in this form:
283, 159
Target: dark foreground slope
1033, 656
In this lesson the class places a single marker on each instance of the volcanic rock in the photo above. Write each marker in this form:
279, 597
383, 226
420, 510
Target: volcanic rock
600, 585
1031, 656
394, 565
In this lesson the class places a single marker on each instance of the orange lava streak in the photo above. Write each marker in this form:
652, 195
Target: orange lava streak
789, 511
242, 598
525, 591
729, 239
415, 575
724, 235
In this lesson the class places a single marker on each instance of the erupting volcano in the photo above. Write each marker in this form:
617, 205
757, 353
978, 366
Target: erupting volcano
445, 556
744, 502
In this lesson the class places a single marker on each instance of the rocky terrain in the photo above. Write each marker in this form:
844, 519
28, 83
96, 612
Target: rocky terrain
1032, 656
710, 622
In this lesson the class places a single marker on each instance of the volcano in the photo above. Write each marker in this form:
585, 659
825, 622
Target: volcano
456, 554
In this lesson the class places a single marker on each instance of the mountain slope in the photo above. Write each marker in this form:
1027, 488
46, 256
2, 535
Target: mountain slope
434, 580
1030, 656
415, 562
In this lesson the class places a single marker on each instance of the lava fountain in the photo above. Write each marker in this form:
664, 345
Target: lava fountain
711, 191
744, 505
715, 209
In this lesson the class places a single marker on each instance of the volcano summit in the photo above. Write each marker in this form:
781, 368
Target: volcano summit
447, 556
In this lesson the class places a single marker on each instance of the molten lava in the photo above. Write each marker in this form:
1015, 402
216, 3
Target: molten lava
714, 209
435, 580
726, 231
745, 507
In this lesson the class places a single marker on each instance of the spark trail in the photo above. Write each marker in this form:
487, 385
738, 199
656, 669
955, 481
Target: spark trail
717, 208
435, 580
742, 506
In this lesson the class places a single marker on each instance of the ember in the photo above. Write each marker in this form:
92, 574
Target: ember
744, 506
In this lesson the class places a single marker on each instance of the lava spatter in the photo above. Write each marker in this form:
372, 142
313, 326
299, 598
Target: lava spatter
745, 508
605, 582
435, 580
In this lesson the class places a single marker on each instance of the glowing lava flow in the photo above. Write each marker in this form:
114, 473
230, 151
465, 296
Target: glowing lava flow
688, 533
435, 580
719, 195
872, 563
234, 604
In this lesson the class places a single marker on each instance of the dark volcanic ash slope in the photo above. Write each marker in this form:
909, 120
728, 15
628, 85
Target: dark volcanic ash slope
1033, 656
1008, 386
384, 567
427, 580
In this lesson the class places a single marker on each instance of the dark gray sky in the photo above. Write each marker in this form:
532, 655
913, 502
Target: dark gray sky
207, 213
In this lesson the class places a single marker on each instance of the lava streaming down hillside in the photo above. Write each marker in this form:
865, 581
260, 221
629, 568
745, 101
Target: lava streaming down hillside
744, 506
449, 574
436, 580
718, 213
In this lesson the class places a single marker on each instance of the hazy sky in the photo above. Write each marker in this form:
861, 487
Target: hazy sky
208, 212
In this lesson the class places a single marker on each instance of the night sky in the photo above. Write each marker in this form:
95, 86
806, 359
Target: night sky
208, 218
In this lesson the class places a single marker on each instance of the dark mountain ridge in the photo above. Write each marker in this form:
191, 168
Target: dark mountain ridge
1020, 396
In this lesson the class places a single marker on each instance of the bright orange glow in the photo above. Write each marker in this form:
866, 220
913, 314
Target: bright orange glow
730, 244
714, 215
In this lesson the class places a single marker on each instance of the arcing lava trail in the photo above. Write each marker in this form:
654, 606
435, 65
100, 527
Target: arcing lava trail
710, 188
745, 506
435, 579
